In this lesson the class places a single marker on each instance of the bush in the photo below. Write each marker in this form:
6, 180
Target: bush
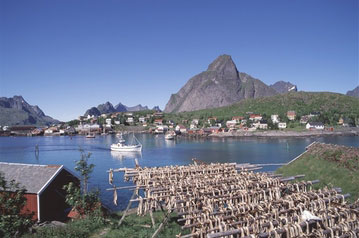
12, 201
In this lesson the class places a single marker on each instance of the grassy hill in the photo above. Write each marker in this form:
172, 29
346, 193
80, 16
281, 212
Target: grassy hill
303, 103
333, 165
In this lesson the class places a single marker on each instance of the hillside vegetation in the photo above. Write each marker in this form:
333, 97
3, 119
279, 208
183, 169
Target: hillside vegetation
332, 104
333, 165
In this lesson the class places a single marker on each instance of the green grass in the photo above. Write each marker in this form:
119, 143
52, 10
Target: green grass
330, 173
133, 226
95, 227
82, 228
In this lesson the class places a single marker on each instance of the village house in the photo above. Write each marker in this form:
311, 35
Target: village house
215, 129
238, 119
181, 128
282, 125
193, 126
117, 122
231, 124
158, 122
315, 125
274, 118
158, 114
212, 119
255, 117
51, 130
128, 114
304, 119
130, 120
108, 122
142, 119
104, 115
291, 115
341, 121
195, 121
45, 197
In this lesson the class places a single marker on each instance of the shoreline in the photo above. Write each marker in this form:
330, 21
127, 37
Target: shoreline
281, 134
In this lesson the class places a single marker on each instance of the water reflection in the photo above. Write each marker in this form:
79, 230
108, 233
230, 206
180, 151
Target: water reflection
121, 155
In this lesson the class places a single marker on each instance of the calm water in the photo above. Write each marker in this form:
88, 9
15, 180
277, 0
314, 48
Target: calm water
156, 152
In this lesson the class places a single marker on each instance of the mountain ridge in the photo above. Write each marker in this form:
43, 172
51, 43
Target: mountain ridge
109, 108
16, 111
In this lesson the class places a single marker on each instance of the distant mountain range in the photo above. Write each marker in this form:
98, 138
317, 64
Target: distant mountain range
354, 92
16, 111
109, 108
221, 85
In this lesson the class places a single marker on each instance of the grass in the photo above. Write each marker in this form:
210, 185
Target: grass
330, 168
133, 227
139, 227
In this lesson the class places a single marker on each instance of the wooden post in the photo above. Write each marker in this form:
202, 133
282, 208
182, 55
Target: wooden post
152, 219
164, 221
128, 207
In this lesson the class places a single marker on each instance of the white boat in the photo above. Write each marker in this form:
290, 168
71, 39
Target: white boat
170, 135
122, 146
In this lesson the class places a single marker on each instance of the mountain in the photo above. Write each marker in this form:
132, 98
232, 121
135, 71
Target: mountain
354, 92
16, 111
156, 108
109, 108
137, 108
121, 108
220, 85
284, 87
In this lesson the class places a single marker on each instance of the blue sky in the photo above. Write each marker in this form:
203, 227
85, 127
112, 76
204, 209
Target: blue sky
67, 56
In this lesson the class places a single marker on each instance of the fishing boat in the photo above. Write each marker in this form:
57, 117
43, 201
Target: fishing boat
122, 146
170, 135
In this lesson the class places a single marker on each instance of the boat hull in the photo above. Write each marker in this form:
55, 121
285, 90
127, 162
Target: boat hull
115, 147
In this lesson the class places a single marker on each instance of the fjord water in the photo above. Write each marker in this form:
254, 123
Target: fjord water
156, 152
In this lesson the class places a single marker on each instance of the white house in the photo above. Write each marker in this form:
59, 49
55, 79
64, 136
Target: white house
274, 118
231, 124
181, 128
263, 126
129, 120
142, 119
195, 121
117, 122
315, 125
282, 125
193, 126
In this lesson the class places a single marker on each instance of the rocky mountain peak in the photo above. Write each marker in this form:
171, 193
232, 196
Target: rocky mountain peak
354, 92
284, 87
225, 66
220, 85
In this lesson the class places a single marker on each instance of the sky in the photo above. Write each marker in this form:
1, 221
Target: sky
66, 56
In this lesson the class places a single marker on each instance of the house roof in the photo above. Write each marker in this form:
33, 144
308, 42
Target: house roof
31, 176
315, 123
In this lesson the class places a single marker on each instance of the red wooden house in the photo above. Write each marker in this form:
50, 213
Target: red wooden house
44, 188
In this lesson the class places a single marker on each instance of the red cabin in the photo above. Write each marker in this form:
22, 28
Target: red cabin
44, 188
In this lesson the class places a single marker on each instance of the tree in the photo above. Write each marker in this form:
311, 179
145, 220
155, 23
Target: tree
12, 202
84, 168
